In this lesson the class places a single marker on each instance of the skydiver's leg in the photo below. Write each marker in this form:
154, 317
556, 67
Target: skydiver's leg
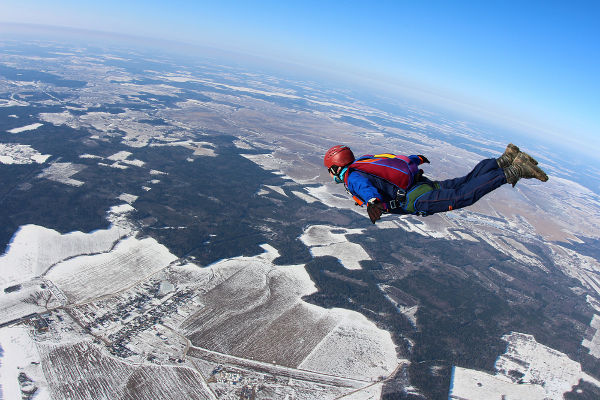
471, 190
482, 168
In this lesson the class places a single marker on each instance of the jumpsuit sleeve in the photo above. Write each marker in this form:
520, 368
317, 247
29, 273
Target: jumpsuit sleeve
360, 186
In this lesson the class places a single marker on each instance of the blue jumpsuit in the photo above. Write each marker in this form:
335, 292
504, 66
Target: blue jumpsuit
452, 194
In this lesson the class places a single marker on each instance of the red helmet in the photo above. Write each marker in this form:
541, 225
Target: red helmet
339, 156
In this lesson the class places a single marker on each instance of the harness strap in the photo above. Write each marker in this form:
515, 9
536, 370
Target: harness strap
406, 200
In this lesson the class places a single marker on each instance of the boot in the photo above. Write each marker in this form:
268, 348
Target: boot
511, 152
523, 167
506, 159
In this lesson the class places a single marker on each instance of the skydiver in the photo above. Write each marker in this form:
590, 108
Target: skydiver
389, 183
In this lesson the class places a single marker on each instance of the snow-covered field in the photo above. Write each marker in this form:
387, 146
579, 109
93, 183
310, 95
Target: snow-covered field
368, 351
19, 355
34, 249
245, 307
594, 344
331, 241
25, 299
62, 172
84, 278
199, 148
20, 154
82, 371
478, 385
253, 309
527, 370
25, 128
306, 197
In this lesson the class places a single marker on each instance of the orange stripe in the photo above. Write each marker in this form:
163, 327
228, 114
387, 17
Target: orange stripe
370, 160
358, 201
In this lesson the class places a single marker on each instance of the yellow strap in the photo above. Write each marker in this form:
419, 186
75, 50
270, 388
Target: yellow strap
385, 155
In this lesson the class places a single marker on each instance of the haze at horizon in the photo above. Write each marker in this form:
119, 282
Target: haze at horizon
528, 65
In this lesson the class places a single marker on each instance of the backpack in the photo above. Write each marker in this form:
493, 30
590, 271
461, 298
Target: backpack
400, 171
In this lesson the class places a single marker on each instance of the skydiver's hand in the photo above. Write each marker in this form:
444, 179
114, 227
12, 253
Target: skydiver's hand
419, 175
424, 159
375, 209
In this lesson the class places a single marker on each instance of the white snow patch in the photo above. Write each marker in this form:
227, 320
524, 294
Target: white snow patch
324, 241
267, 162
262, 192
307, 198
118, 166
478, 385
594, 344
268, 302
13, 103
62, 172
578, 266
277, 189
270, 254
593, 302
25, 128
156, 172
33, 249
526, 370
128, 198
199, 148
120, 156
85, 278
368, 350
539, 363
63, 118
465, 236
20, 355
90, 156
121, 209
20, 154
135, 162
241, 144
331, 198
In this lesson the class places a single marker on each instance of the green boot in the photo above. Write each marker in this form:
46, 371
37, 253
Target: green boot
523, 167
511, 152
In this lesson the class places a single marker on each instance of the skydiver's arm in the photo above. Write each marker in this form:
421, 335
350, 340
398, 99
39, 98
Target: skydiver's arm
360, 186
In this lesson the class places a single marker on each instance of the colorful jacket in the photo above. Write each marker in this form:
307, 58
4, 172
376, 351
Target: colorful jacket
380, 176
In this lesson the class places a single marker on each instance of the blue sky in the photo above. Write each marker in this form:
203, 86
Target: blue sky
533, 62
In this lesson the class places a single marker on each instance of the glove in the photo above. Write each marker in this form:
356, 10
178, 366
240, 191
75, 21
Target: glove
419, 175
424, 159
375, 209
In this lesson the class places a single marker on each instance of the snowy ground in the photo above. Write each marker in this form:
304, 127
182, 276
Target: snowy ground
19, 355
25, 128
62, 172
331, 241
594, 344
20, 154
478, 385
34, 249
268, 303
245, 308
84, 278
527, 369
